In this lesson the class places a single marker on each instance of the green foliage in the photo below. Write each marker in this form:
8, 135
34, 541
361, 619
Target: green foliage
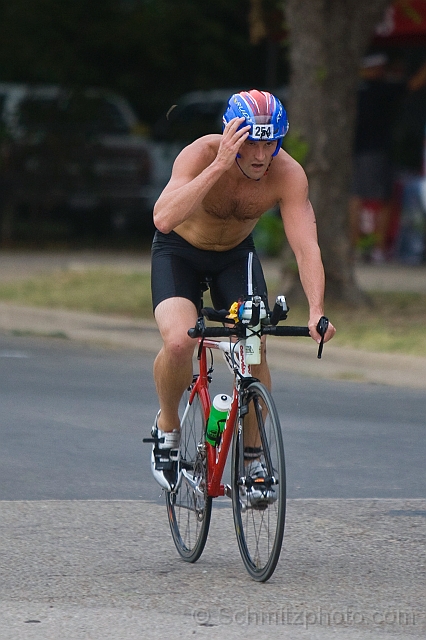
321, 74
410, 11
296, 146
367, 243
269, 234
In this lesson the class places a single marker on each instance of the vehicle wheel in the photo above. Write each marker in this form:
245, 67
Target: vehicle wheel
259, 484
188, 506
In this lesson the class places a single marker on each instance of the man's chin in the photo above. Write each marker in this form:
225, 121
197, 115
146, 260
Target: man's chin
257, 172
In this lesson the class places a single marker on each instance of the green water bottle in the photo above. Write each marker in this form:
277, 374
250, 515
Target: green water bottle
217, 418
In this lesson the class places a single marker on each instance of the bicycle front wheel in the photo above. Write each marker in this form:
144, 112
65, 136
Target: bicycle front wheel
259, 484
188, 506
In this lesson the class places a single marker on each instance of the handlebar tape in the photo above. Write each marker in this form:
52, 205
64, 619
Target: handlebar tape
271, 330
222, 332
212, 332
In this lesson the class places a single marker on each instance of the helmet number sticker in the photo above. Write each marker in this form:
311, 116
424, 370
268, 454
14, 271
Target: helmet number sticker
262, 131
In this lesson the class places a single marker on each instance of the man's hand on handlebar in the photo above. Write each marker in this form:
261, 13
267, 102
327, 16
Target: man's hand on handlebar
320, 331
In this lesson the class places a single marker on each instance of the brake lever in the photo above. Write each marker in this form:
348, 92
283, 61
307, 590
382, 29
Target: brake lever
198, 330
322, 327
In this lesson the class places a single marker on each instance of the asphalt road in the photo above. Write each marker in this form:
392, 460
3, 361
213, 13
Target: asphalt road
73, 418
85, 550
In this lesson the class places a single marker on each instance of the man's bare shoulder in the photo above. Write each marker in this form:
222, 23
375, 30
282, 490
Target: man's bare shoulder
288, 167
203, 149
198, 154
288, 175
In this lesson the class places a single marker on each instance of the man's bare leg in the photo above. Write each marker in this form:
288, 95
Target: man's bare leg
173, 365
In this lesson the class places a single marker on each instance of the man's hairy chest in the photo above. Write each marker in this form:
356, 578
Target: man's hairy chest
243, 206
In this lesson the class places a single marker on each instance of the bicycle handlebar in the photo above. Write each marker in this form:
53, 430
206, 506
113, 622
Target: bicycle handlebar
201, 331
213, 332
269, 330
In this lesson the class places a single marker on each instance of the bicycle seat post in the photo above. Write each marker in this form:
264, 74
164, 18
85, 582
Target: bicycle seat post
204, 286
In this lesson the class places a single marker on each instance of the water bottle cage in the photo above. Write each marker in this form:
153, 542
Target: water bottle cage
218, 436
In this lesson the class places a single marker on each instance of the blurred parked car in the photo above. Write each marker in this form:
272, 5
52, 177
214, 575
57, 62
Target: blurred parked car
196, 114
72, 158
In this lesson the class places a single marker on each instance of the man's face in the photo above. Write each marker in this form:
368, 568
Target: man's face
256, 157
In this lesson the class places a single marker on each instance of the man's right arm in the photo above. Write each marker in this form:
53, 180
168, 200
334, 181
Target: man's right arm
196, 169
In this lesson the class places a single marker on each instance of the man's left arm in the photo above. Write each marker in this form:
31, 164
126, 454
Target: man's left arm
301, 232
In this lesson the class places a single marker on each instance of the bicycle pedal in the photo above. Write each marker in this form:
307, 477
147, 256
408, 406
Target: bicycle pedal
154, 440
262, 484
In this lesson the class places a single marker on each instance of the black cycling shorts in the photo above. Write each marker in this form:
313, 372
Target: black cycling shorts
178, 269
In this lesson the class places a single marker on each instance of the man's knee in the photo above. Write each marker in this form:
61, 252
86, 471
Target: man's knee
174, 317
178, 347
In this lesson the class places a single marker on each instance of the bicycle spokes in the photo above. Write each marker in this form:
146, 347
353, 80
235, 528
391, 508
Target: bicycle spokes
259, 485
189, 506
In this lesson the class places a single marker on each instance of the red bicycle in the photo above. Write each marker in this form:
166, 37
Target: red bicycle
252, 428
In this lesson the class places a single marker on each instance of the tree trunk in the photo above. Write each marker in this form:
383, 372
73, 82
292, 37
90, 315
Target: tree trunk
327, 41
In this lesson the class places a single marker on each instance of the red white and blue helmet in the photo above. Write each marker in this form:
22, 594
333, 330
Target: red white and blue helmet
262, 111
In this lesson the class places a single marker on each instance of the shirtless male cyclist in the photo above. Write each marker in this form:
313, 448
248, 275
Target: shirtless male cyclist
220, 186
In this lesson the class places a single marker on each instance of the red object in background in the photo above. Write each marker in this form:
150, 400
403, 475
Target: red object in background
403, 22
394, 216
368, 216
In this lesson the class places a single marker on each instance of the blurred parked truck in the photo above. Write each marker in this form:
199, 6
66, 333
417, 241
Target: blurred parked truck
72, 163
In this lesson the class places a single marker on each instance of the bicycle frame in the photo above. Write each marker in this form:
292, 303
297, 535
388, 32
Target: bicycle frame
217, 456
237, 356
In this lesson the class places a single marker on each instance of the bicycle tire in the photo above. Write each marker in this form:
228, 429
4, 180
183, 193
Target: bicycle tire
188, 506
260, 527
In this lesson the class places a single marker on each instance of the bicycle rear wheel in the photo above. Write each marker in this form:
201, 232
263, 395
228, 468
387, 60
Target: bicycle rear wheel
188, 506
259, 500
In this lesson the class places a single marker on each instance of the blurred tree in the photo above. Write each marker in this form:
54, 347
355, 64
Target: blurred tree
327, 41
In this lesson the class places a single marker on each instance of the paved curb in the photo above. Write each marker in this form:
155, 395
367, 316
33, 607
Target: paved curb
296, 355
84, 327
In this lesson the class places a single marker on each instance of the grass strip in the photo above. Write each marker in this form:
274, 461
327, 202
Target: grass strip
97, 291
395, 323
